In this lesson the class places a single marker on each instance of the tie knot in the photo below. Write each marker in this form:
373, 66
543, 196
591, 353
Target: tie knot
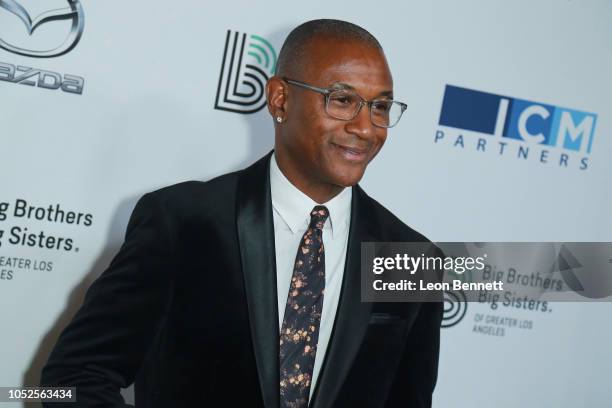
318, 216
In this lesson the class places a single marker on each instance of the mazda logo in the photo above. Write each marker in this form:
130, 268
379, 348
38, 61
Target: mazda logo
73, 12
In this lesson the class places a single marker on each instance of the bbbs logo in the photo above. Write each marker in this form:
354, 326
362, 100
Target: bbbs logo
24, 75
518, 127
248, 61
455, 308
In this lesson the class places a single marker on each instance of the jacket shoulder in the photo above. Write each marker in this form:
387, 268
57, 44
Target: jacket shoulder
394, 229
217, 184
194, 196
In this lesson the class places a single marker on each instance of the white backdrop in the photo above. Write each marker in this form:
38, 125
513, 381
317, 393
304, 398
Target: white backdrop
146, 118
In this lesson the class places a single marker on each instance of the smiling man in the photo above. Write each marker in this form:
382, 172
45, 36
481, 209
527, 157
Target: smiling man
324, 139
245, 290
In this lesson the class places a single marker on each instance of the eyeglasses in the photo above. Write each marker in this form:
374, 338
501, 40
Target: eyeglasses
345, 104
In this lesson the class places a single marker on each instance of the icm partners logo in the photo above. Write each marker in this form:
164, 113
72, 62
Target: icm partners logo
24, 75
517, 127
248, 61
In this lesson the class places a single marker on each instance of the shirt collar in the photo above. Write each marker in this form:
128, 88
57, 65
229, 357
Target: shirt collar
294, 206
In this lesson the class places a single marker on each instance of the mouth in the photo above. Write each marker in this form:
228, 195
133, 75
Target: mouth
351, 153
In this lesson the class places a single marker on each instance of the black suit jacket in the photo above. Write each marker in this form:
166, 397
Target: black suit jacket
187, 310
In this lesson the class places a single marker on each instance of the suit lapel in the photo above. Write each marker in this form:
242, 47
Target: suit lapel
256, 240
352, 315
255, 228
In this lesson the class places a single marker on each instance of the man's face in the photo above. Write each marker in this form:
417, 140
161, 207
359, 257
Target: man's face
322, 149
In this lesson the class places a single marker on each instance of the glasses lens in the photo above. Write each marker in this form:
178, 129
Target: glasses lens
343, 104
386, 113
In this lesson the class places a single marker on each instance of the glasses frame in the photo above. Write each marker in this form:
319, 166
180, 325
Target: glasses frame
327, 91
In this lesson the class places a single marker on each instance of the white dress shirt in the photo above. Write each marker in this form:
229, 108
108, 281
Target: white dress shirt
291, 212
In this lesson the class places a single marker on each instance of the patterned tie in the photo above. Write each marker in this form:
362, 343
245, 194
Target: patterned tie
300, 331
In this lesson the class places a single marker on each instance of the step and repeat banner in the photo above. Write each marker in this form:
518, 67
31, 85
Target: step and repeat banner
507, 137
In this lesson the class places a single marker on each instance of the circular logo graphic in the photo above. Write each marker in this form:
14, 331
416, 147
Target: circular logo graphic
455, 308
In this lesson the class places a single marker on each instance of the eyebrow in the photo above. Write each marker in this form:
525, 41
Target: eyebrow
342, 86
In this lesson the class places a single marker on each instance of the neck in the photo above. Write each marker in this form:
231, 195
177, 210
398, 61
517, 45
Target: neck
319, 192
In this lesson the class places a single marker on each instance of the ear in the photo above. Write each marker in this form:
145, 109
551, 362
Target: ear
276, 97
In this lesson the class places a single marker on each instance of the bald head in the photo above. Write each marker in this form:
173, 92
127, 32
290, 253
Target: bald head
318, 152
294, 53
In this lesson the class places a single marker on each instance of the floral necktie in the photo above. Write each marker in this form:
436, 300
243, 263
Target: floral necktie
300, 330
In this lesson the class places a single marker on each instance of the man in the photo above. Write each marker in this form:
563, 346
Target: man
207, 303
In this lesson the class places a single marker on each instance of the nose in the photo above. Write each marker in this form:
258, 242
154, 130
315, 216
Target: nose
361, 125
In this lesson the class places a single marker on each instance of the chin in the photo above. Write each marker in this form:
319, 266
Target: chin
348, 178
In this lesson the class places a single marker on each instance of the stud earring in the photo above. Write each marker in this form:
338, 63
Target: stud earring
279, 119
